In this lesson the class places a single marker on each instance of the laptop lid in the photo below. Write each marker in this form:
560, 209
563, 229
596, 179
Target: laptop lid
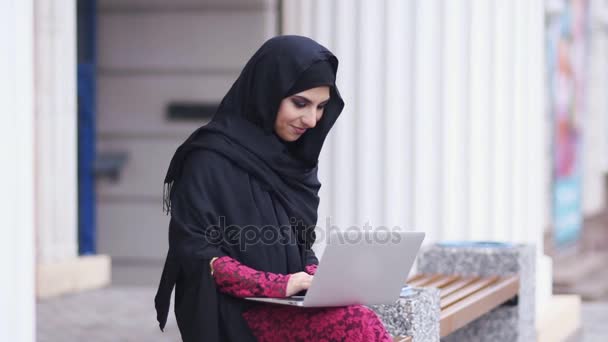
368, 267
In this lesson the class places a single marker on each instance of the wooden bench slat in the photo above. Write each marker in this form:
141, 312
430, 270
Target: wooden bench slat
420, 280
467, 291
444, 281
415, 277
477, 304
426, 280
444, 292
464, 299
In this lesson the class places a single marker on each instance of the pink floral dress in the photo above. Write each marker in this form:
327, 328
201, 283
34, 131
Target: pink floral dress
270, 322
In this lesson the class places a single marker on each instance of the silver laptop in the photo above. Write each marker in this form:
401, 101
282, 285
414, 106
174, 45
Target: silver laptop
359, 268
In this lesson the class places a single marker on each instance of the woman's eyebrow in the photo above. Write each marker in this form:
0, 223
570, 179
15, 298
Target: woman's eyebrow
309, 101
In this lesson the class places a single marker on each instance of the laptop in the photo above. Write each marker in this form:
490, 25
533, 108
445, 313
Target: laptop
366, 268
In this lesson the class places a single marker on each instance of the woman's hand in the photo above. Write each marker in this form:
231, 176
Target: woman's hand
298, 282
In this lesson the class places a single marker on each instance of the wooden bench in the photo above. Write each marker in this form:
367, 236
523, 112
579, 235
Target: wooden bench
464, 299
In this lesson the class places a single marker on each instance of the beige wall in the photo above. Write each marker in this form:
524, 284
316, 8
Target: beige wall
150, 53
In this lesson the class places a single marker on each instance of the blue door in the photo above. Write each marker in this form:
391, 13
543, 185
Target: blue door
86, 126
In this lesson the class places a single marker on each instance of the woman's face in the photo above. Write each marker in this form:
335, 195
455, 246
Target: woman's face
300, 112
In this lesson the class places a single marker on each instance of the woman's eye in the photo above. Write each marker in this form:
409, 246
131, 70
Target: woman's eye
321, 107
299, 104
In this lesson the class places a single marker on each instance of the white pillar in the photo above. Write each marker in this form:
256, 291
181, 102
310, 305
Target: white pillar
342, 151
56, 143
59, 268
538, 156
480, 64
519, 120
426, 137
595, 118
455, 119
444, 128
370, 120
501, 129
399, 109
17, 312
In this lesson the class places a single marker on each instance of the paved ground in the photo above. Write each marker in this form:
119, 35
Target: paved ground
118, 314
114, 314
595, 318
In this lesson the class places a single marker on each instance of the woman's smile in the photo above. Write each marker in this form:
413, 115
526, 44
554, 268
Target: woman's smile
298, 130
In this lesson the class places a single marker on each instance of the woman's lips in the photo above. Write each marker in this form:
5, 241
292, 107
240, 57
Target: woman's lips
299, 130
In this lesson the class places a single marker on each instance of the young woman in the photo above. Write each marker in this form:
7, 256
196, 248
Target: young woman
242, 194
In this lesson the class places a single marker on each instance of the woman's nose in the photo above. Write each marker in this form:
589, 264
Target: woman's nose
310, 119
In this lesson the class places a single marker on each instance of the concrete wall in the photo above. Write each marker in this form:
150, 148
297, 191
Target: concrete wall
151, 53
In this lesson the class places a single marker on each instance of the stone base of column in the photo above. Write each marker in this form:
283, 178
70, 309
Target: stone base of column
73, 275
415, 314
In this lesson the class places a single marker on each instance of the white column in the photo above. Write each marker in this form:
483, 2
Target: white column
501, 128
297, 17
538, 149
480, 71
59, 269
595, 118
428, 214
520, 126
444, 128
371, 114
56, 144
455, 116
17, 315
343, 190
399, 104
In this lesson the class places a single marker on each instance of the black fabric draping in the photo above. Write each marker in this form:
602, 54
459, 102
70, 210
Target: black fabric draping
235, 188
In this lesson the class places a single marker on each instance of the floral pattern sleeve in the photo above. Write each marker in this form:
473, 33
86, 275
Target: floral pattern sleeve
238, 280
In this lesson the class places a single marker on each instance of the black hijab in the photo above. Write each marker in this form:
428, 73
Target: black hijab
227, 159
